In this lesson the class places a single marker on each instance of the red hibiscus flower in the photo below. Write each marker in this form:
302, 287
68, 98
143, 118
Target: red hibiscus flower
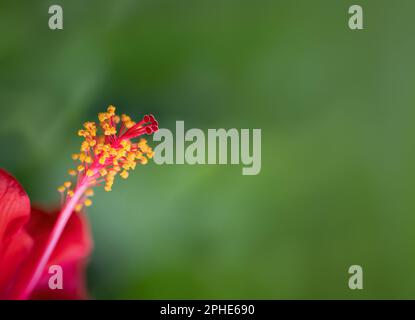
23, 236
31, 240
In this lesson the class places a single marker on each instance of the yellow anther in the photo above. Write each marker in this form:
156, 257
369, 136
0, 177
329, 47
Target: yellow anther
91, 129
70, 193
88, 159
102, 160
113, 152
82, 157
103, 172
89, 192
78, 207
84, 146
125, 118
144, 160
116, 119
89, 125
88, 202
131, 157
124, 174
92, 143
61, 189
89, 173
102, 116
72, 172
121, 153
75, 156
111, 110
81, 168
127, 146
129, 124
107, 188
67, 184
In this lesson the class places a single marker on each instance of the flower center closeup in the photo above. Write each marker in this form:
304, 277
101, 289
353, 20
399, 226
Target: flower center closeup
102, 157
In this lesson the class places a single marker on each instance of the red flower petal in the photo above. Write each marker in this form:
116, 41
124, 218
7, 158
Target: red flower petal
14, 240
22, 242
71, 253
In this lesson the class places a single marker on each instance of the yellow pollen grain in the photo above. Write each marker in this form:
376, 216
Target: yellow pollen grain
103, 172
78, 207
67, 184
88, 202
125, 118
72, 172
129, 124
75, 156
70, 193
90, 173
89, 193
124, 174
102, 116
82, 157
111, 110
131, 157
81, 168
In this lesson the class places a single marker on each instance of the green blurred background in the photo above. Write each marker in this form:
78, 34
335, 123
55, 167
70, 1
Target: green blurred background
336, 109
